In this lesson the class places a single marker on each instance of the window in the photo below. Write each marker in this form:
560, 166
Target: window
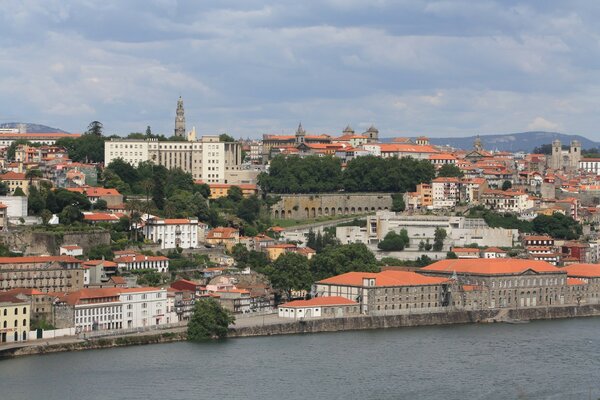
24, 322
24, 310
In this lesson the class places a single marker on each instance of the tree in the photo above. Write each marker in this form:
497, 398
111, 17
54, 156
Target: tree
291, 271
451, 255
46, 215
394, 241
438, 239
209, 321
248, 209
95, 128
33, 173
86, 148
100, 204
19, 192
3, 189
506, 185
450, 170
235, 194
398, 202
223, 137
101, 251
335, 260
35, 201
148, 131
70, 214
558, 226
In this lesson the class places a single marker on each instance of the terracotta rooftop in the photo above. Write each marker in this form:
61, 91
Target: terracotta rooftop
384, 278
320, 301
494, 266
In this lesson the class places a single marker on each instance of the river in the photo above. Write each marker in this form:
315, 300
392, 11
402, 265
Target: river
540, 360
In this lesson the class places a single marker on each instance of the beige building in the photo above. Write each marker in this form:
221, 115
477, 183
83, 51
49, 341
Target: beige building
14, 318
207, 159
45, 273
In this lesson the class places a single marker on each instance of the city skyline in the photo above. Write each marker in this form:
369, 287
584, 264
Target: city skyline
433, 68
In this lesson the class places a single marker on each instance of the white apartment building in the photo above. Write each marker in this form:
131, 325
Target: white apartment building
117, 308
509, 200
144, 306
590, 165
141, 262
172, 233
207, 159
446, 192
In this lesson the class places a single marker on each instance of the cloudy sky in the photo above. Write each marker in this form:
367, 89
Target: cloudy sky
248, 67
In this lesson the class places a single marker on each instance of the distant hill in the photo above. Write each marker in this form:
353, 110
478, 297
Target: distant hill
523, 141
32, 128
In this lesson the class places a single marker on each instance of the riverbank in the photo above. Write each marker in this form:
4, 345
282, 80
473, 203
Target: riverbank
260, 328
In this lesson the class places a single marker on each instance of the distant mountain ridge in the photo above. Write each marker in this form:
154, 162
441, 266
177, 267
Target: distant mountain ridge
513, 142
32, 128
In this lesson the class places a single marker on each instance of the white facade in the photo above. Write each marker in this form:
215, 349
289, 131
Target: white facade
16, 206
106, 315
445, 192
299, 312
173, 233
207, 159
142, 262
144, 307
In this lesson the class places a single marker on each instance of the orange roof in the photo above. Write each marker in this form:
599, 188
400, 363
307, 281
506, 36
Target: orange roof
12, 176
282, 246
276, 229
583, 270
384, 278
101, 217
25, 291
95, 191
575, 281
494, 250
493, 266
406, 148
225, 233
320, 301
71, 247
538, 237
105, 263
465, 250
39, 260
445, 179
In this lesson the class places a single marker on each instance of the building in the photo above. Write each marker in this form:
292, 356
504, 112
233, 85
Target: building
460, 231
112, 197
446, 192
466, 252
503, 282
506, 200
15, 180
590, 275
399, 150
14, 318
116, 308
172, 233
72, 250
493, 252
388, 291
272, 142
138, 262
207, 159
222, 189
567, 160
98, 273
6, 139
227, 237
45, 273
333, 306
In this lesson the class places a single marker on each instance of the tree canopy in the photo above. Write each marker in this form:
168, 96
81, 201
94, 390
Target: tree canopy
209, 321
394, 241
291, 271
335, 260
449, 171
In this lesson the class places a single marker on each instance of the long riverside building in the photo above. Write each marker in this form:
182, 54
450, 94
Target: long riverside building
45, 273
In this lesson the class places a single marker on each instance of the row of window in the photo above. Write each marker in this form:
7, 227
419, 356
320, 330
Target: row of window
16, 311
5, 325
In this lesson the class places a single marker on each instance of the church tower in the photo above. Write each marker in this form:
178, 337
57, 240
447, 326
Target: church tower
477, 145
372, 134
575, 155
300, 134
180, 119
556, 161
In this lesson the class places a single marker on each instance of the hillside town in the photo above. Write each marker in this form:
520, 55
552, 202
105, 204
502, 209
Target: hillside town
109, 235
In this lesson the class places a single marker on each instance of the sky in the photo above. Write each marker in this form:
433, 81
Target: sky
248, 67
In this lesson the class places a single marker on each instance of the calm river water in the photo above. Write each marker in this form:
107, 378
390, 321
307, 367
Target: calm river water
540, 360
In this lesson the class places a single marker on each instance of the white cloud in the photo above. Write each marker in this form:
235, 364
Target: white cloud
542, 124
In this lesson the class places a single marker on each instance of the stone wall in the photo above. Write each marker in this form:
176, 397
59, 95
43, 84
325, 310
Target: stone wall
37, 243
308, 206
407, 320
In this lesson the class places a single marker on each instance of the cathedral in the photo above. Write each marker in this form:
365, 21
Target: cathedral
567, 160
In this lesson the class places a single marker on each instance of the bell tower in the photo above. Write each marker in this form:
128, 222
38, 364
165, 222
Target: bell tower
180, 119
300, 134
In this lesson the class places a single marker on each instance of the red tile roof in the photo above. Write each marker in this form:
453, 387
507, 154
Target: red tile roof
384, 278
494, 266
583, 270
39, 260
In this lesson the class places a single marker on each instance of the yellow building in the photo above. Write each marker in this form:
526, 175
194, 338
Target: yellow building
15, 180
14, 319
275, 250
222, 189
